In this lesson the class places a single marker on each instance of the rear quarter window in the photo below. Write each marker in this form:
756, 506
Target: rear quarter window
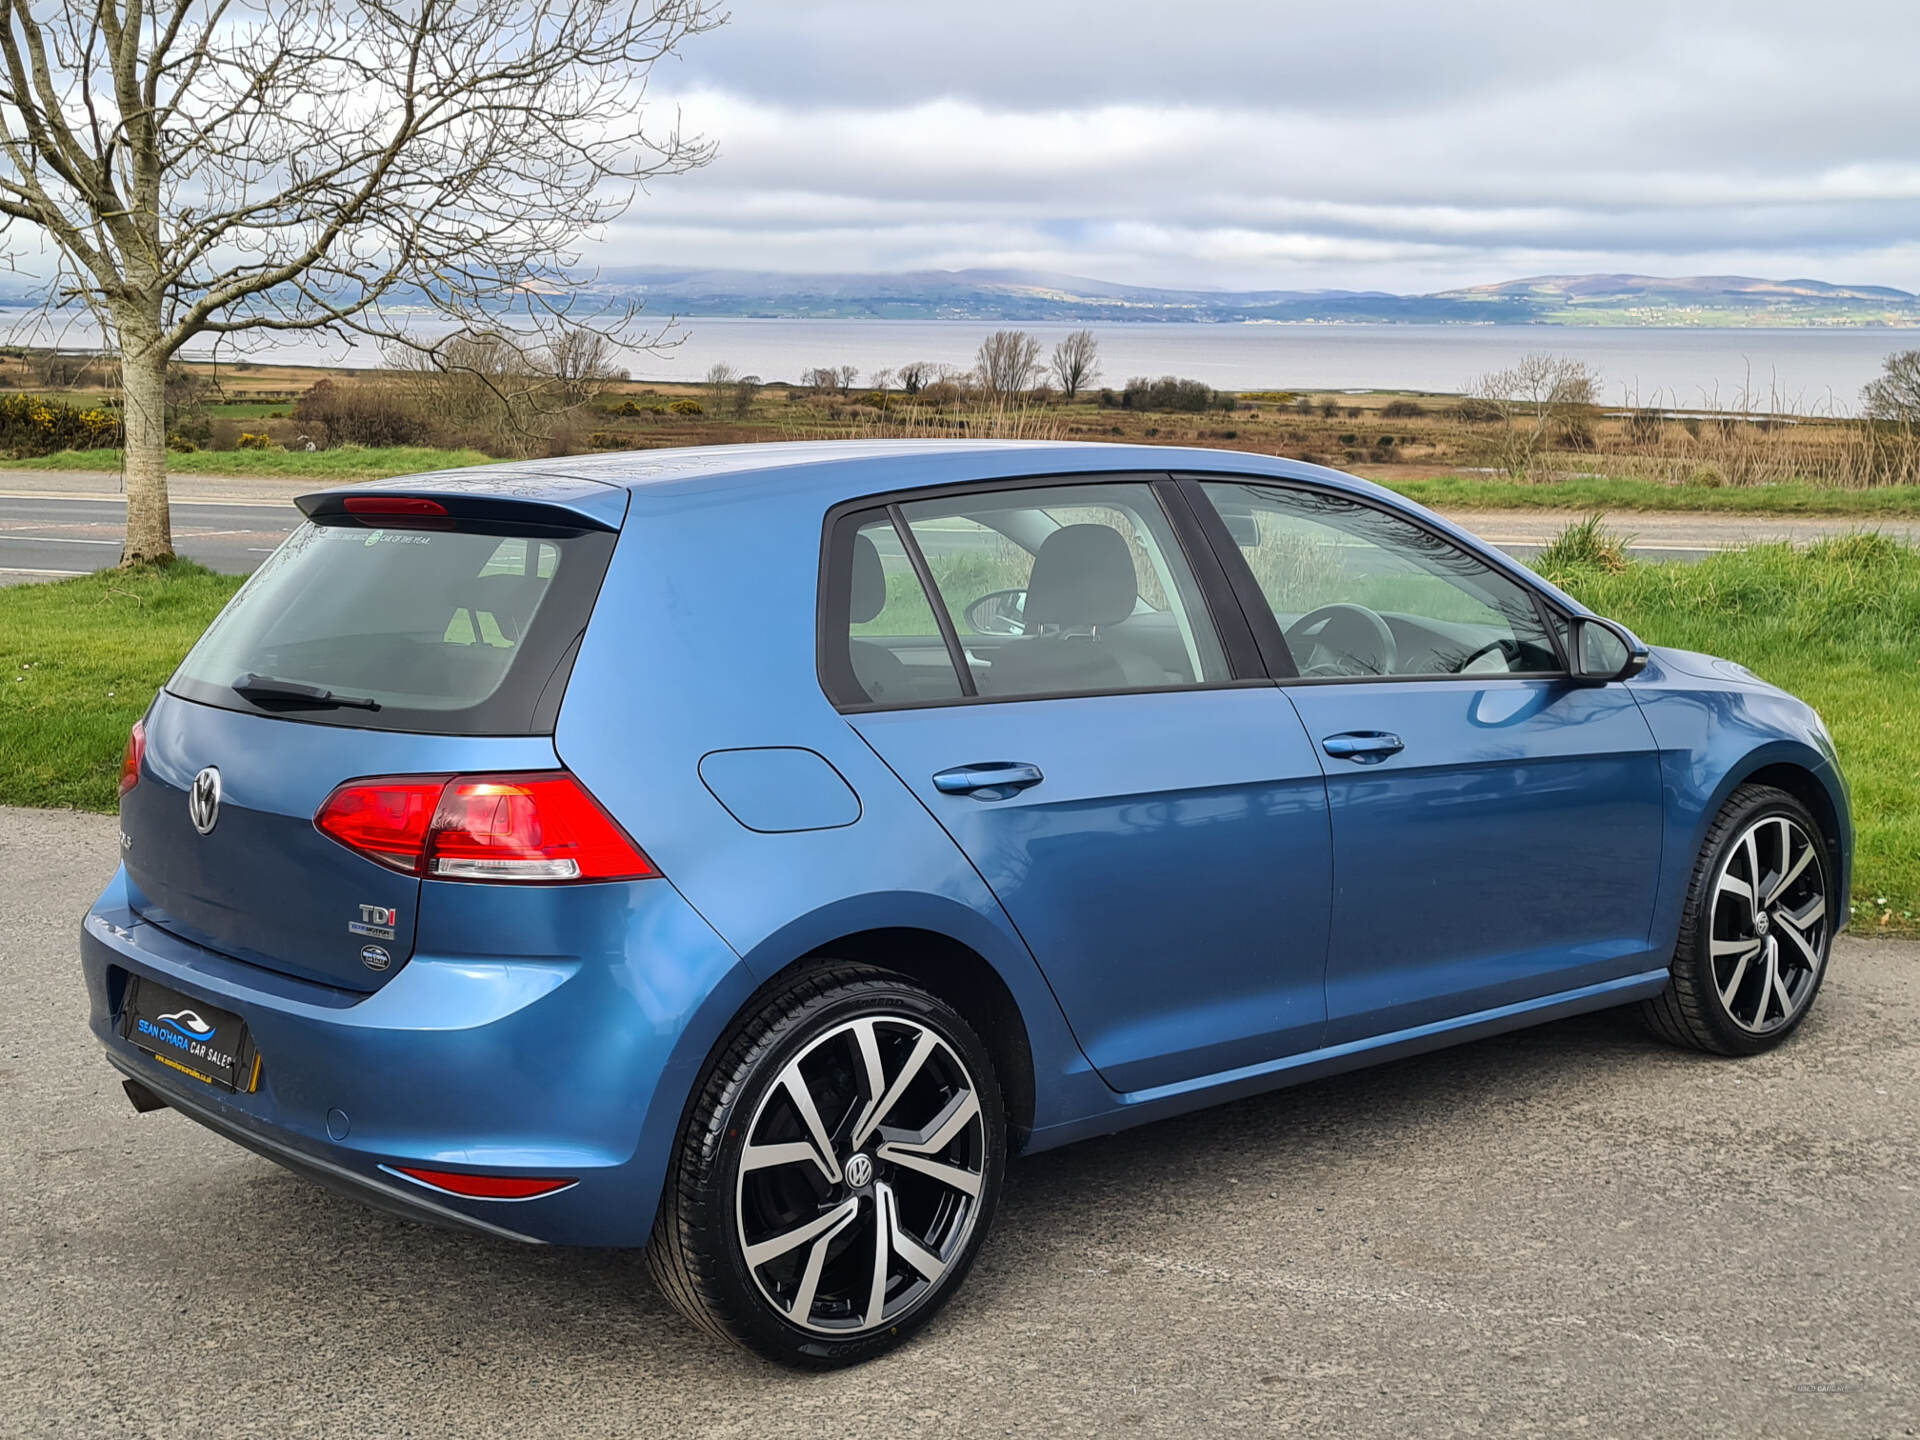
460, 629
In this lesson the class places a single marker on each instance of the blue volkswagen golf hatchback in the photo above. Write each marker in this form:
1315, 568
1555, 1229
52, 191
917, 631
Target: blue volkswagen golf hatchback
744, 852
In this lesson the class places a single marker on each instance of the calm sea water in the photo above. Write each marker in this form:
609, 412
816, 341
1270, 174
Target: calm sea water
1807, 370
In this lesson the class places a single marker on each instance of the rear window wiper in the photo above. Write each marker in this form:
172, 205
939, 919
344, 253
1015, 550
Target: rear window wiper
265, 690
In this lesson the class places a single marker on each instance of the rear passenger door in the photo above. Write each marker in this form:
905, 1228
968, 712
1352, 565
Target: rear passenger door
1101, 746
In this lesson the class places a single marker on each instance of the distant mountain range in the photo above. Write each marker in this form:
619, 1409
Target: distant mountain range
1032, 296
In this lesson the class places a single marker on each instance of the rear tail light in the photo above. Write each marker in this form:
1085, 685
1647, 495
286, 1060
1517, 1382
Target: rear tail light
541, 827
484, 1187
131, 757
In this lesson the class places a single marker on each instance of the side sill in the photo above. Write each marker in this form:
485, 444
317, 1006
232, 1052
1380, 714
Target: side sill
1140, 1107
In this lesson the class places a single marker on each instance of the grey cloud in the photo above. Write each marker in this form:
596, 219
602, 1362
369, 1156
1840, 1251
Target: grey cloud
1247, 143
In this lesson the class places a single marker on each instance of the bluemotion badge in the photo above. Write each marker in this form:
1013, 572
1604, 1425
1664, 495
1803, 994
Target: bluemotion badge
375, 958
376, 922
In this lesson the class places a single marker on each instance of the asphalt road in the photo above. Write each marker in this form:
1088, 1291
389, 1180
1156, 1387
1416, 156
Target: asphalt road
43, 535
47, 537
1572, 1229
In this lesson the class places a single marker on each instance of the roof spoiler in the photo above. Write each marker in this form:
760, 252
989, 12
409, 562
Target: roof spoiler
505, 496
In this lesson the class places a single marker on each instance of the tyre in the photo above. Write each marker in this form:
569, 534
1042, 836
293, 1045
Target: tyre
836, 1173
1757, 930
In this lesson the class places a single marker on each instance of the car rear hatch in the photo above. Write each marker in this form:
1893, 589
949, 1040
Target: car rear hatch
407, 629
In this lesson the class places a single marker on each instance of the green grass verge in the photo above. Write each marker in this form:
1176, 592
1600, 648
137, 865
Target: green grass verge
347, 463
1837, 624
1464, 492
79, 660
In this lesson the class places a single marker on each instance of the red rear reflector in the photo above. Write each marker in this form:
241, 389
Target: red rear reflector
485, 1187
392, 505
537, 827
131, 757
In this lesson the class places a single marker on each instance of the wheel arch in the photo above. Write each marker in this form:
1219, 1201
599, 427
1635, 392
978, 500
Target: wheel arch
1805, 785
956, 973
1807, 775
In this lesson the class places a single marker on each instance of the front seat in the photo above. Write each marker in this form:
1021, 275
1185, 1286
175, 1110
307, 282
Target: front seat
881, 673
1083, 580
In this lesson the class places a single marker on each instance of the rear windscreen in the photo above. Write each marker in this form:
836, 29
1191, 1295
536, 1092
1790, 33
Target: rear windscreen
455, 630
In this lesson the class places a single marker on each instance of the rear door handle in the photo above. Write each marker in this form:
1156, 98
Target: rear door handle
989, 780
1363, 747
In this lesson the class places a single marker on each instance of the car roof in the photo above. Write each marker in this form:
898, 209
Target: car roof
846, 469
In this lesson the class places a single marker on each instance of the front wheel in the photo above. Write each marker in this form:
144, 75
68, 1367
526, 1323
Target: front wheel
1757, 931
836, 1173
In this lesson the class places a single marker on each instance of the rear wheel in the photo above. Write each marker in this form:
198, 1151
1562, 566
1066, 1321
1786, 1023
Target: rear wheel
1757, 931
837, 1171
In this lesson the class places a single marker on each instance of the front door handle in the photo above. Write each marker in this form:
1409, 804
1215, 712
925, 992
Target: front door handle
1363, 747
990, 780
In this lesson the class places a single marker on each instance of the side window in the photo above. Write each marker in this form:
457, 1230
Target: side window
894, 646
1358, 591
1068, 588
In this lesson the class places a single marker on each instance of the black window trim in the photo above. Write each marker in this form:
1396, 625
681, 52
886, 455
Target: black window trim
1225, 610
1266, 629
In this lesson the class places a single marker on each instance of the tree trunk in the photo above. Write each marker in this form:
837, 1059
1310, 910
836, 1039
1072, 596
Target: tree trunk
143, 372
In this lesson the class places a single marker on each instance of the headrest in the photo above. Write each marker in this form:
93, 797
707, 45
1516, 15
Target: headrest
510, 599
1083, 575
869, 582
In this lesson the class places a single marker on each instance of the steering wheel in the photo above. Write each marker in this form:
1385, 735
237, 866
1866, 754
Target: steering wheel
1342, 639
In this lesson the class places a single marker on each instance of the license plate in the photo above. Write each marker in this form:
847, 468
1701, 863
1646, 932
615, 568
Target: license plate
190, 1036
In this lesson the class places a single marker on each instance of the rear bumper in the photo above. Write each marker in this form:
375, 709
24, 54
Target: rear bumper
568, 1062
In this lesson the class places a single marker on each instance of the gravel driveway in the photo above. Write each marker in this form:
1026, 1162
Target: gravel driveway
1569, 1229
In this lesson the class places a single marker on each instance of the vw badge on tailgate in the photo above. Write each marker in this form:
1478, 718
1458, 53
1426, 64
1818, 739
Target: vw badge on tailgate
203, 800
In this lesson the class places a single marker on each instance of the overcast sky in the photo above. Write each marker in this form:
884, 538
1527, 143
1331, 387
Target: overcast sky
1401, 144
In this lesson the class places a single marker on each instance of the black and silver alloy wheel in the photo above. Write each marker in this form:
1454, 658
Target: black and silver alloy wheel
837, 1170
1769, 928
1757, 929
861, 1175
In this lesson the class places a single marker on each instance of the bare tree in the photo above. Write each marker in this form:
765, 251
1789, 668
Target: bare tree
744, 389
1007, 362
1530, 400
719, 376
1076, 362
206, 168
824, 379
847, 375
1894, 395
475, 383
914, 375
881, 380
580, 360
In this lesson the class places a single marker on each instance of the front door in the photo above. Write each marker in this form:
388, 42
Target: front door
1496, 828
1156, 829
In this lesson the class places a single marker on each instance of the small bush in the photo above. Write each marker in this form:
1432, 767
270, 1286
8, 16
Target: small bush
1402, 410
1477, 412
686, 407
1585, 545
250, 441
32, 426
1170, 392
614, 440
343, 413
181, 445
